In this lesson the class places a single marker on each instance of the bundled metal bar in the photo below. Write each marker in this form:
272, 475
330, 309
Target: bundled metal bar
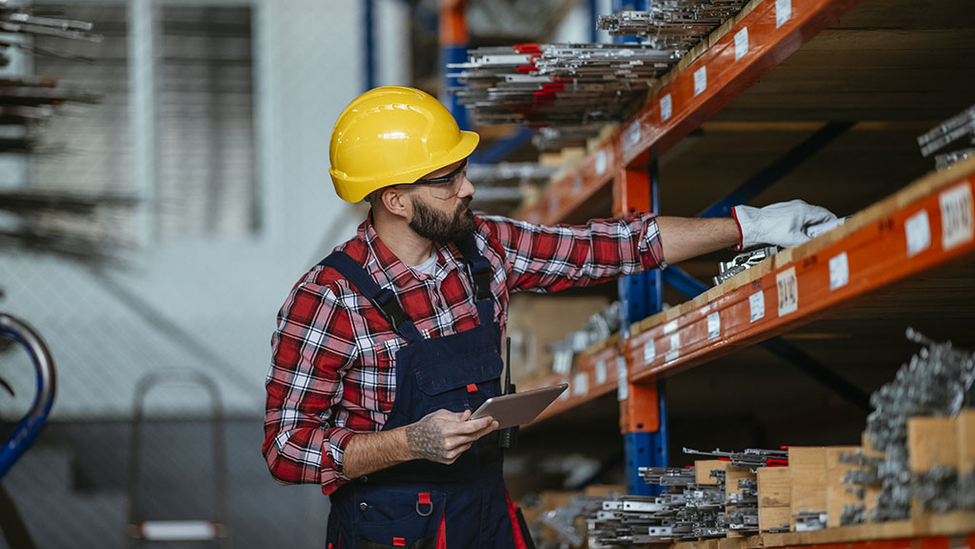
675, 24
557, 84
955, 128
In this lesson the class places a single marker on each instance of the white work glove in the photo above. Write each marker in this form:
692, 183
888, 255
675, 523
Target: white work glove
785, 224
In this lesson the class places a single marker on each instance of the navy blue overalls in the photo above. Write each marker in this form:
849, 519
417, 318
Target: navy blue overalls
422, 504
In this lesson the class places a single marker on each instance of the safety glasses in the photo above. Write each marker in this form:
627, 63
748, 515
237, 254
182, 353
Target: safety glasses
445, 186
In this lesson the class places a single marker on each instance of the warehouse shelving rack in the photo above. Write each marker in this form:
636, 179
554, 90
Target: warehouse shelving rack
925, 226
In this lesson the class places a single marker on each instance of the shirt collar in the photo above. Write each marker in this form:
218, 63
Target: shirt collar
382, 261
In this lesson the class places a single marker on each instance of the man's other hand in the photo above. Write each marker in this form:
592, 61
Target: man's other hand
442, 436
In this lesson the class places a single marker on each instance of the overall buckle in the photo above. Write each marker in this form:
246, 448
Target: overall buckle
424, 499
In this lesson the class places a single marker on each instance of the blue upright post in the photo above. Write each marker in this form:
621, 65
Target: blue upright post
642, 296
454, 39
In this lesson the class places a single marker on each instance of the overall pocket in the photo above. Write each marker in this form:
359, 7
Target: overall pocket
397, 518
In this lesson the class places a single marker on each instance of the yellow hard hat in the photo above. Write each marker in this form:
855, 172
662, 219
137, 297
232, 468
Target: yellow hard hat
390, 136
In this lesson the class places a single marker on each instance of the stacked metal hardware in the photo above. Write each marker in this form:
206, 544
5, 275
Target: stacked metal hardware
628, 520
742, 511
954, 131
752, 458
558, 85
938, 381
671, 24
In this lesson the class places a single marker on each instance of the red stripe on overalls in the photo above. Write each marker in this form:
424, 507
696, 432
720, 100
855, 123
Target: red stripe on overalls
515, 527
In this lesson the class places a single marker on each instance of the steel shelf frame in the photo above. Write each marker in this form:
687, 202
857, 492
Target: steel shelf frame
925, 226
723, 66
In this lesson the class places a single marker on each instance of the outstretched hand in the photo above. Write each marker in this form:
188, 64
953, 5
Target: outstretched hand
442, 436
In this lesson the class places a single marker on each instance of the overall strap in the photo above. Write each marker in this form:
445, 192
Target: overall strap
479, 269
382, 298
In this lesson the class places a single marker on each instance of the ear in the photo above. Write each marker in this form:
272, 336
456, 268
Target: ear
396, 200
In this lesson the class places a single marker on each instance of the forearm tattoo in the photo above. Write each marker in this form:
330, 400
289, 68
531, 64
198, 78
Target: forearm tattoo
426, 440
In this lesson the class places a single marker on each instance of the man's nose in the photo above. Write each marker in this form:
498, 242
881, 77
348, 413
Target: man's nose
466, 188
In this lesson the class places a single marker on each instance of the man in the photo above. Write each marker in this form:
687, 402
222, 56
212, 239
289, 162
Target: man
384, 348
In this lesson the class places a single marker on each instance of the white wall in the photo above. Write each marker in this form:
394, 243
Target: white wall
221, 297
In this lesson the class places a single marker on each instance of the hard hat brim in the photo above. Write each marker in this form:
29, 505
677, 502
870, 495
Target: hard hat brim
352, 189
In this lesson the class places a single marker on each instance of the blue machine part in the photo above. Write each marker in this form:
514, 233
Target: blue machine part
30, 426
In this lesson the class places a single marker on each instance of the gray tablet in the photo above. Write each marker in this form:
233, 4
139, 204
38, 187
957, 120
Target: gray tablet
519, 408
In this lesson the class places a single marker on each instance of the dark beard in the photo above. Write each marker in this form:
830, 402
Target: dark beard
436, 226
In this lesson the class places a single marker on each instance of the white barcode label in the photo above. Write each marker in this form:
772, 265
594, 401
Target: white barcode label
600, 372
622, 387
839, 271
756, 306
632, 136
783, 12
714, 325
580, 385
670, 327
788, 289
649, 352
601, 163
700, 81
674, 352
741, 43
956, 216
666, 107
918, 231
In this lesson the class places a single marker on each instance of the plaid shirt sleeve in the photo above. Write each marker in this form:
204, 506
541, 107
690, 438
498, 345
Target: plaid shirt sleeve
549, 259
311, 348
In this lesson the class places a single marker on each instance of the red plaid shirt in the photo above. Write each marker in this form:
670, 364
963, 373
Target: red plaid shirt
332, 369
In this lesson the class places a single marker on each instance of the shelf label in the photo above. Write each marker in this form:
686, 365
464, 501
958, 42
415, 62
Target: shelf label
622, 389
666, 107
839, 271
649, 352
700, 80
714, 325
632, 136
788, 290
674, 352
956, 216
600, 372
783, 12
670, 327
741, 43
918, 233
580, 385
601, 163
577, 184
756, 306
